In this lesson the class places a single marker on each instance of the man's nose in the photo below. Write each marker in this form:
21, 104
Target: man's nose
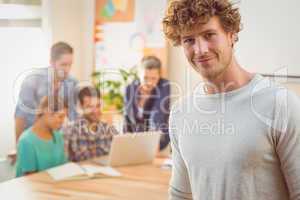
200, 46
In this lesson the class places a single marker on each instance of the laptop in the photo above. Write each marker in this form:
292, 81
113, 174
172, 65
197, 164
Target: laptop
132, 149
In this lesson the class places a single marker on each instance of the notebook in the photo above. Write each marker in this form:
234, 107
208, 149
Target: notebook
73, 171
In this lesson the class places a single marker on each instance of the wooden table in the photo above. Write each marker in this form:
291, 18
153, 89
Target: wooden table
140, 182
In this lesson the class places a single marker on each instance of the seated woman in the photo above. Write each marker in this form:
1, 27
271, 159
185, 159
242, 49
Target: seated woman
42, 146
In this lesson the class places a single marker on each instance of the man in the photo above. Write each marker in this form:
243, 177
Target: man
87, 137
147, 103
51, 81
237, 136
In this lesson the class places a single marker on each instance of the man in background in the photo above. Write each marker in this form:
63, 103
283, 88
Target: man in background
51, 81
147, 102
87, 137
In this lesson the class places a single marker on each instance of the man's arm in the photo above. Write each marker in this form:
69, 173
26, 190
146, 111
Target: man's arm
70, 133
25, 106
287, 128
66, 136
20, 124
180, 187
165, 113
128, 102
71, 89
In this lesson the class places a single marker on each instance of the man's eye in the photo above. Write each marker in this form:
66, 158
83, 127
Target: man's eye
188, 41
209, 35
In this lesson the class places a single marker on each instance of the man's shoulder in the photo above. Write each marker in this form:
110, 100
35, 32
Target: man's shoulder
266, 88
36, 75
269, 95
164, 87
180, 104
78, 122
133, 85
164, 81
72, 79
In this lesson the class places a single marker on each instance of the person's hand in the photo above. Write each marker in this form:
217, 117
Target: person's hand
145, 89
145, 92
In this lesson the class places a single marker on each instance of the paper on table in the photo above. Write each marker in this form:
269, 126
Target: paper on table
75, 171
108, 171
66, 171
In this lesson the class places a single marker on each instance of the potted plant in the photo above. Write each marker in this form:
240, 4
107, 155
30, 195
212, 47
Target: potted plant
112, 85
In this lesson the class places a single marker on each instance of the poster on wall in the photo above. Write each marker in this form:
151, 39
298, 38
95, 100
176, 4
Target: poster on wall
117, 49
148, 19
114, 10
126, 30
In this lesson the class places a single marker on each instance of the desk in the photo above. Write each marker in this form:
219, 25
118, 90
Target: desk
140, 182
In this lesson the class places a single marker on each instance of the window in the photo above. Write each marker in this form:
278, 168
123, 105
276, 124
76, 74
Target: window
23, 46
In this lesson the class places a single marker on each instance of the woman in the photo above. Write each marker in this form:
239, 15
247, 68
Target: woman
41, 146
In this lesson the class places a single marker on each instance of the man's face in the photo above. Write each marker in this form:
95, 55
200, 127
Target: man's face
91, 108
208, 48
150, 78
63, 65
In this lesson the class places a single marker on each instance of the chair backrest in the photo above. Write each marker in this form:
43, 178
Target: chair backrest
7, 171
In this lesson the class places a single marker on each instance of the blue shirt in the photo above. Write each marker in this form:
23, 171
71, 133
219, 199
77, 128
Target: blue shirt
36, 154
38, 84
155, 113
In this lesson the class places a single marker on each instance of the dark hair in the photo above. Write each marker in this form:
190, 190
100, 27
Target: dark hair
151, 62
88, 91
60, 48
52, 104
183, 15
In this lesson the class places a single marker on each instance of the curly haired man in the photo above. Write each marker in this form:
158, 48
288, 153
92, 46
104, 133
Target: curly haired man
236, 137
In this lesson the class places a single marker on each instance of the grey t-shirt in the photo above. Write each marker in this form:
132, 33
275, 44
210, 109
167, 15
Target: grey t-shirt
239, 145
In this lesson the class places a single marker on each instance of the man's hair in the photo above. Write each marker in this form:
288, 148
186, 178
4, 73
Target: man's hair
88, 91
184, 15
151, 62
52, 104
60, 48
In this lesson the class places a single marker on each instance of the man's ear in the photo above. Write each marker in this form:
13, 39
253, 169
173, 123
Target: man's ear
234, 39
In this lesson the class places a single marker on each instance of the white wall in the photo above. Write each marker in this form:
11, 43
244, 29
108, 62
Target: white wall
22, 47
270, 40
18, 54
72, 21
68, 20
